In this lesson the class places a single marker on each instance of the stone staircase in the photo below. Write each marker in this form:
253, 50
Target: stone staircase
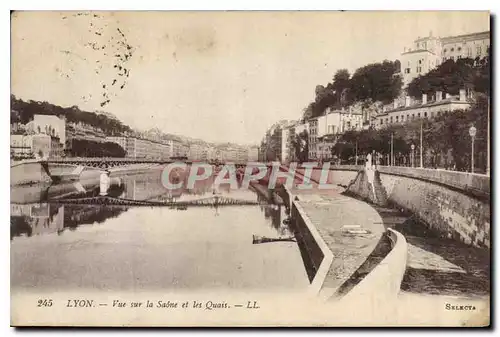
368, 188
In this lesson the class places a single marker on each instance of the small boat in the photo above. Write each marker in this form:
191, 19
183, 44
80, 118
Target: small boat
263, 239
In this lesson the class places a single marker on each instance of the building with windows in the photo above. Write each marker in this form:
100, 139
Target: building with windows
48, 124
272, 146
313, 138
143, 148
253, 154
179, 149
334, 123
21, 146
423, 109
198, 152
287, 143
213, 153
35, 146
428, 52
475, 45
82, 131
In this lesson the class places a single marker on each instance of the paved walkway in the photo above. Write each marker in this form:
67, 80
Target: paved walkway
435, 266
329, 211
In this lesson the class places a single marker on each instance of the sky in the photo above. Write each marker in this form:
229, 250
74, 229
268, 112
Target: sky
217, 76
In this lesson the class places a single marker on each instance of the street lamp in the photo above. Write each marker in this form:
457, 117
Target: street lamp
421, 145
472, 133
412, 155
488, 139
356, 152
392, 149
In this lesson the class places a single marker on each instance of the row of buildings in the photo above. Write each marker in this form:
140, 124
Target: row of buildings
197, 151
52, 136
283, 138
283, 141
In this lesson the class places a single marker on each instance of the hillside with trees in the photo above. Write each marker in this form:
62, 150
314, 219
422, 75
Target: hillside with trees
451, 76
23, 111
376, 82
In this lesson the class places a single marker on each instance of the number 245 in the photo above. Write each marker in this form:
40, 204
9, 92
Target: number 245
44, 303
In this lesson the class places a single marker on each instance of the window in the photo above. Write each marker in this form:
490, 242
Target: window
418, 115
387, 121
478, 50
412, 116
391, 119
432, 114
419, 69
419, 61
381, 121
459, 48
444, 50
425, 45
397, 119
425, 114
418, 45
452, 49
407, 70
402, 118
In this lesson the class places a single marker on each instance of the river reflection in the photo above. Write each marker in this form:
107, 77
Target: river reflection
56, 245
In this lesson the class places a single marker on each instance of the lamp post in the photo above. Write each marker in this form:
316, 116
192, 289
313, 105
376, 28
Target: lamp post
392, 149
421, 146
412, 155
472, 133
356, 153
488, 140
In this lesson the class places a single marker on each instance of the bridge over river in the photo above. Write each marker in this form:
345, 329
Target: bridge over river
110, 162
213, 201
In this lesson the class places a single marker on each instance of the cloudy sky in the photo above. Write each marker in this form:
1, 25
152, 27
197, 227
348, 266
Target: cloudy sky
210, 75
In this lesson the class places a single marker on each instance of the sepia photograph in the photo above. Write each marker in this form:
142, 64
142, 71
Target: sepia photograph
250, 168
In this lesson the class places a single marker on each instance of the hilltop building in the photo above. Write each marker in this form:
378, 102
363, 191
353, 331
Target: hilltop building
426, 53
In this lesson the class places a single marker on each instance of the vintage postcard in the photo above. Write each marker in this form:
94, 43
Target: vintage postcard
246, 169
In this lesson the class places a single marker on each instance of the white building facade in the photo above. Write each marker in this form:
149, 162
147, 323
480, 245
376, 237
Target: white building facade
427, 53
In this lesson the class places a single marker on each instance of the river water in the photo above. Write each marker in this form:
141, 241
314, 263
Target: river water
61, 246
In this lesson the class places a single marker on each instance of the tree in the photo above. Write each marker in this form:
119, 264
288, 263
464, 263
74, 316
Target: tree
376, 82
324, 98
340, 86
26, 110
300, 144
308, 111
88, 148
446, 140
451, 76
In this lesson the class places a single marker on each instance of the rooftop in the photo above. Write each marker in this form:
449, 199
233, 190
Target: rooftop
417, 51
471, 36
